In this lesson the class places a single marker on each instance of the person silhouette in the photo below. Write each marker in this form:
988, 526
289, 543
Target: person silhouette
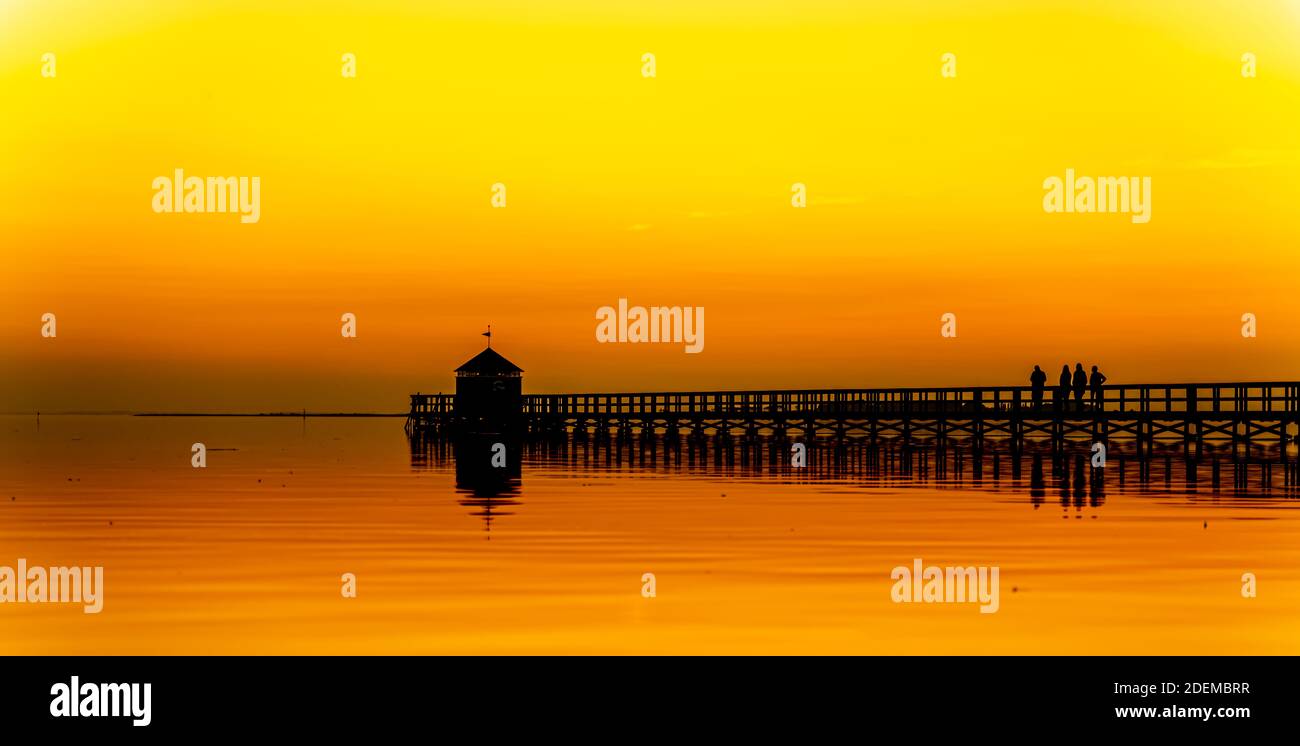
1080, 385
1063, 389
1094, 382
1037, 380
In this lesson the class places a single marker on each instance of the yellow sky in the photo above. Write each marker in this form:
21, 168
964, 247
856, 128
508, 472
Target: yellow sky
924, 194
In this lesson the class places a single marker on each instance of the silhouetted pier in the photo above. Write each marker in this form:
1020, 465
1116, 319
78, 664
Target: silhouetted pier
1193, 413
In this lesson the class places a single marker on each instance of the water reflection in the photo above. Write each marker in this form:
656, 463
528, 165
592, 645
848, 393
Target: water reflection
1068, 470
488, 470
788, 560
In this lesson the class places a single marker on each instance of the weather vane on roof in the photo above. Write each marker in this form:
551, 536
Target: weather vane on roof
488, 334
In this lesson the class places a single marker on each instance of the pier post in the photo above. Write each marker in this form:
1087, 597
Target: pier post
672, 439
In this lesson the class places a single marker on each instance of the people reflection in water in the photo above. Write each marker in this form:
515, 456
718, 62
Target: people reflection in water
1080, 485
1037, 484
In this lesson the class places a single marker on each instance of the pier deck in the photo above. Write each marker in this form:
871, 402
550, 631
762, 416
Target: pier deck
1251, 412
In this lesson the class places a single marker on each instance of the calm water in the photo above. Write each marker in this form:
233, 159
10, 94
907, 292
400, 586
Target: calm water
246, 555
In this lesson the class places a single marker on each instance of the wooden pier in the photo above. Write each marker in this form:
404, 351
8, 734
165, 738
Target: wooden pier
1193, 413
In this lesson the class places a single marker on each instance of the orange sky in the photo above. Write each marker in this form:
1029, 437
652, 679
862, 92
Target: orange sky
924, 195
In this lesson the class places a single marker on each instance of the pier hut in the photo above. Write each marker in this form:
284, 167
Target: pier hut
489, 394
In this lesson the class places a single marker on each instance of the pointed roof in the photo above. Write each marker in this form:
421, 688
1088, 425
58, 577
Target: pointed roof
489, 362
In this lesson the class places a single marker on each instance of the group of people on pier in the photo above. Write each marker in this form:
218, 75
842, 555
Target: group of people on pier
1079, 382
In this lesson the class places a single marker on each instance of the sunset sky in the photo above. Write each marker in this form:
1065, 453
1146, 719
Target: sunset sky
924, 195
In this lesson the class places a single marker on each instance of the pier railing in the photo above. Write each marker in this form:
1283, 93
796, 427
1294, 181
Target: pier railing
1175, 399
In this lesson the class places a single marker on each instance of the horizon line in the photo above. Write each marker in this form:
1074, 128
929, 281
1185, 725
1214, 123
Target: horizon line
995, 387
129, 413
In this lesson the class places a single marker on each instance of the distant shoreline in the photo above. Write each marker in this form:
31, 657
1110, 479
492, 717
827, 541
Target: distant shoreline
267, 414
203, 414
